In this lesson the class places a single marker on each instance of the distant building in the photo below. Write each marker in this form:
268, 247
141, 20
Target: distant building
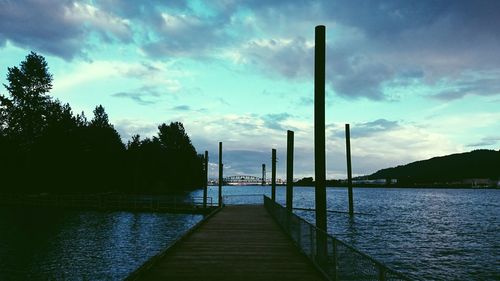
376, 181
480, 182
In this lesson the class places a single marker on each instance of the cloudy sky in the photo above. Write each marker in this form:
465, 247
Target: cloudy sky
415, 79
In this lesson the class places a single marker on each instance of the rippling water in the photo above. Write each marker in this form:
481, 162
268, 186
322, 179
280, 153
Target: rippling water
45, 244
429, 234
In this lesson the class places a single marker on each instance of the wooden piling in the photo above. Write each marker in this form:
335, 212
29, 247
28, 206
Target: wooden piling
289, 170
319, 143
273, 175
206, 181
263, 175
349, 169
220, 174
319, 127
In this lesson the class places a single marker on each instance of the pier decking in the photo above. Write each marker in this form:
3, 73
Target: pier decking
237, 243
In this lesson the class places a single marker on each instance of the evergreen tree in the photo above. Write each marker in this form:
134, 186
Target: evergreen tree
174, 138
25, 111
44, 147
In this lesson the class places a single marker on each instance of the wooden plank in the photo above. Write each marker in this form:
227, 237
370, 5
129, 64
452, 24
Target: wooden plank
238, 243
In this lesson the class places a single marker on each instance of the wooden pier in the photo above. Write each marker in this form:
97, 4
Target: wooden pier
237, 243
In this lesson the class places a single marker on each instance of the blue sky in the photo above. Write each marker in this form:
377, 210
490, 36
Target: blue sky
415, 79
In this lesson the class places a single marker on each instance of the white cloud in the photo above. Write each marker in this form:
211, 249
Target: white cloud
80, 13
385, 147
157, 74
129, 127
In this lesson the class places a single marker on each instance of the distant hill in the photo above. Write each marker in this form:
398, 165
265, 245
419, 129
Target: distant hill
455, 167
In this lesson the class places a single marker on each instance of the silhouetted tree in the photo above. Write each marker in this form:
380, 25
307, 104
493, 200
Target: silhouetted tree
105, 152
25, 111
135, 143
44, 147
174, 138
183, 162
23, 114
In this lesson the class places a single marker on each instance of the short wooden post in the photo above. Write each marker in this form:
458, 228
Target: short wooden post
289, 171
220, 174
273, 176
206, 180
263, 182
349, 169
334, 260
381, 272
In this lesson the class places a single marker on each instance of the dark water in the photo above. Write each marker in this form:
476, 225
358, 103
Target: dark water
429, 234
45, 244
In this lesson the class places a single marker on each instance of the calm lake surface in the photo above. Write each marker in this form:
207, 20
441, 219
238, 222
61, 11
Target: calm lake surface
429, 234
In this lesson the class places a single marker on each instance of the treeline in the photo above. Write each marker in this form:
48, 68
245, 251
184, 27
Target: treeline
44, 147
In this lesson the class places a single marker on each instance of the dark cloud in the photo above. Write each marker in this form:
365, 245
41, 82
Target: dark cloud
367, 129
357, 76
145, 95
486, 142
182, 108
142, 10
376, 43
237, 161
194, 38
247, 162
40, 25
288, 58
383, 43
390, 21
58, 27
479, 87
349, 74
275, 121
373, 127
175, 28
306, 101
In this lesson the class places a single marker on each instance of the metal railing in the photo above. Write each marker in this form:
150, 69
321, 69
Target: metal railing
107, 201
336, 259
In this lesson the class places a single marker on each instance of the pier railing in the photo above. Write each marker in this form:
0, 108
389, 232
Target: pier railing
110, 201
336, 259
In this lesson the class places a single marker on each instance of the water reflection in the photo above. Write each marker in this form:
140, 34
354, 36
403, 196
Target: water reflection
53, 245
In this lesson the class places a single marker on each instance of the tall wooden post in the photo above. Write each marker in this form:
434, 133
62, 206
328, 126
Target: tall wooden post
206, 180
319, 142
220, 174
319, 126
349, 169
273, 175
289, 170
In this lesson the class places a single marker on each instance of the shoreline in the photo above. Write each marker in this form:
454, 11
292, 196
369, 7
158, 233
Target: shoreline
378, 186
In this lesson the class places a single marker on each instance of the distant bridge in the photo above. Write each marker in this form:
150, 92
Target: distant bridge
243, 180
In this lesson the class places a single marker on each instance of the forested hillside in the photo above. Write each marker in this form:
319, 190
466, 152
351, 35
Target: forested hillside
474, 164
